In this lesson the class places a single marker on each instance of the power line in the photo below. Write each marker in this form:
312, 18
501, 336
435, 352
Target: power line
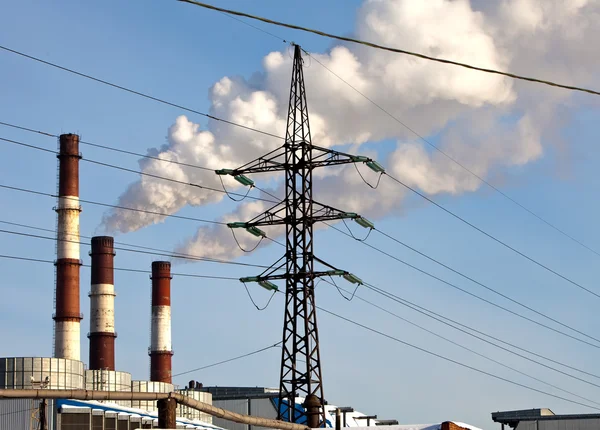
459, 164
390, 49
428, 311
91, 202
323, 310
125, 169
138, 93
109, 148
124, 269
458, 363
485, 286
422, 195
493, 187
444, 320
464, 347
122, 151
543, 266
275, 345
163, 254
443, 281
424, 140
454, 160
402, 301
173, 255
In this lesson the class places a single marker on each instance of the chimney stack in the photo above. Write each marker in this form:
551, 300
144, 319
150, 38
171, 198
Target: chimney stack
160, 348
102, 305
67, 317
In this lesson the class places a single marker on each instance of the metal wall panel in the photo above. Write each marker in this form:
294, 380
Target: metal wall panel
256, 407
15, 414
262, 408
577, 424
239, 406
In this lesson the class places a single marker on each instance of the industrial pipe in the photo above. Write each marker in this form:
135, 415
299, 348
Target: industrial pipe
129, 395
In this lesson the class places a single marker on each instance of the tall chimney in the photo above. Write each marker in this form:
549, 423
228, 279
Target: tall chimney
67, 317
160, 348
102, 305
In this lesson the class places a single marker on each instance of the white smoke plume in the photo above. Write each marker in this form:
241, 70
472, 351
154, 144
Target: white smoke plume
485, 121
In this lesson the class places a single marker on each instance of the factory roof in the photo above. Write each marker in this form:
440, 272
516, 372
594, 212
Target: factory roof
75, 405
512, 418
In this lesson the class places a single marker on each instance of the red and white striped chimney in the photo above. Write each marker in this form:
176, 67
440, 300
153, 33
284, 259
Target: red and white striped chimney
102, 305
67, 317
160, 348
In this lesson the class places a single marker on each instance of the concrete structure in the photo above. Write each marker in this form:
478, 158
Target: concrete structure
193, 414
149, 387
160, 345
67, 315
107, 380
37, 372
545, 419
102, 305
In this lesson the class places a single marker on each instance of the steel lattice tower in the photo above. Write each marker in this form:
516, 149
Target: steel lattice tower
300, 334
300, 361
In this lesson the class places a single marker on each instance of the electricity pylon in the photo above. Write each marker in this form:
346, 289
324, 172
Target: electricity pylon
300, 362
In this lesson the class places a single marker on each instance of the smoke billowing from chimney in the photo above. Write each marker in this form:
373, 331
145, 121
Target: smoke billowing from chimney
487, 122
67, 317
102, 305
161, 350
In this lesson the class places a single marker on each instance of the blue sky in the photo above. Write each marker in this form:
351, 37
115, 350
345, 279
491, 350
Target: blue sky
178, 52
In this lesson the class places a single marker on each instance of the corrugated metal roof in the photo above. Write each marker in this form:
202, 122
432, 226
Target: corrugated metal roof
67, 405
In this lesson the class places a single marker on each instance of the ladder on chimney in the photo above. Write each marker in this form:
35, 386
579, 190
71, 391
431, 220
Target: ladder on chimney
55, 249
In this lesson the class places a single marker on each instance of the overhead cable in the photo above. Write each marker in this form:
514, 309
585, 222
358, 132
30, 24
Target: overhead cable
120, 87
125, 169
191, 275
439, 336
109, 148
390, 49
122, 151
443, 281
454, 160
138, 251
450, 360
404, 303
494, 238
275, 345
529, 308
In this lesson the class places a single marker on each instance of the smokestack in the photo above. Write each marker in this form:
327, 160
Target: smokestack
102, 305
160, 348
67, 317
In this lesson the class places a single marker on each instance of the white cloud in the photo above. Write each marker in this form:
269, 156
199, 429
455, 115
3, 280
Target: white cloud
485, 121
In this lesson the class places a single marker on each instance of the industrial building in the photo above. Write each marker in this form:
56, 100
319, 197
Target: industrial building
545, 419
263, 402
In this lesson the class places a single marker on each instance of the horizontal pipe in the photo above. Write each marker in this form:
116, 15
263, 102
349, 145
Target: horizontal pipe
125, 395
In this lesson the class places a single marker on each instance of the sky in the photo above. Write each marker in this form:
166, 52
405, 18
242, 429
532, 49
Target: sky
536, 144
